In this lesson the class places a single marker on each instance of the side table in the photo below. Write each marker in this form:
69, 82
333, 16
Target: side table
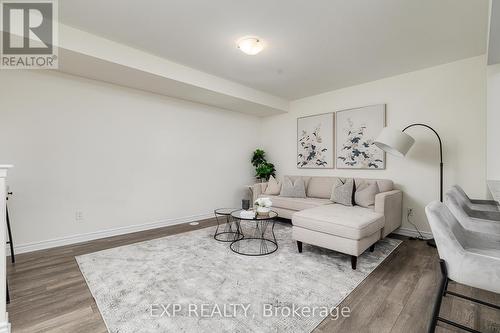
228, 229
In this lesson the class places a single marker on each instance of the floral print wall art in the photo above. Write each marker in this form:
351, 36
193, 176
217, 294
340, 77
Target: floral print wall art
315, 136
356, 132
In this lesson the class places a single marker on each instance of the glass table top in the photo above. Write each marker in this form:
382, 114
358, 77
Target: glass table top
225, 211
271, 215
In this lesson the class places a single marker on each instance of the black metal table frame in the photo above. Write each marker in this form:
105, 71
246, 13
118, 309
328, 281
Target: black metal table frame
261, 227
228, 226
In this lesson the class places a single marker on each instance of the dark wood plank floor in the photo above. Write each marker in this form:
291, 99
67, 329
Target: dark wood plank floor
49, 294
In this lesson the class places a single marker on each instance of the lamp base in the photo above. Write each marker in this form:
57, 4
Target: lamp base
431, 242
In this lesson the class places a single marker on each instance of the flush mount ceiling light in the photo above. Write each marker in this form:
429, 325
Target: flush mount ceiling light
250, 45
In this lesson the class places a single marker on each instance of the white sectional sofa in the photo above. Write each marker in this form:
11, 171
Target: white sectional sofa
348, 229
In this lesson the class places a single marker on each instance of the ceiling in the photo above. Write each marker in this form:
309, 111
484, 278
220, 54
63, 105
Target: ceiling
312, 46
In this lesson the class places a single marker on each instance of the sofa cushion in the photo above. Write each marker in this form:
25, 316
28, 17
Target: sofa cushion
349, 222
296, 203
342, 191
273, 186
293, 188
320, 187
365, 194
304, 178
384, 185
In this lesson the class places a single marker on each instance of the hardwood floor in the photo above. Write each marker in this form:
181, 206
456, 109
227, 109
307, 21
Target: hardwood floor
399, 297
49, 294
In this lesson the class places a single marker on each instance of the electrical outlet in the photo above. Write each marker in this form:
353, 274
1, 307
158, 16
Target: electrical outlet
409, 212
78, 216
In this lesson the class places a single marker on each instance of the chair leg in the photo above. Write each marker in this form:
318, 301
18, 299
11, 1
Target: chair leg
437, 304
299, 246
443, 291
372, 248
11, 242
354, 261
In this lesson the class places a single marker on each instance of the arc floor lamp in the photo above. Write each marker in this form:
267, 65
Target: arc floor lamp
398, 143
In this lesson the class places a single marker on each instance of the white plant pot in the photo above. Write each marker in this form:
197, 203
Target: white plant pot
263, 210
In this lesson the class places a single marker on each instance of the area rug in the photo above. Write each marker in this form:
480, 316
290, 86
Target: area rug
191, 283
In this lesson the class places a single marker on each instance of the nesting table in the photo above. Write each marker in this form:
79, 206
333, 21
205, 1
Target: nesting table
228, 229
260, 240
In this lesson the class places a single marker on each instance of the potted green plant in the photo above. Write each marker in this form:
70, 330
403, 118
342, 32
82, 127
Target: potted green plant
258, 157
263, 168
264, 171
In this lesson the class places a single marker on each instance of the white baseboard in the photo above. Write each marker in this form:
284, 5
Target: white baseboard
73, 239
5, 327
412, 233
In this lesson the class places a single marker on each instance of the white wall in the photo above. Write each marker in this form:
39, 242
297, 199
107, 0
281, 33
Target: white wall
121, 156
451, 98
125, 157
493, 156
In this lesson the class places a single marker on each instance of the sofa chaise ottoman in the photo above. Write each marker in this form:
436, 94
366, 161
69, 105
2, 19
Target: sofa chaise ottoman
347, 229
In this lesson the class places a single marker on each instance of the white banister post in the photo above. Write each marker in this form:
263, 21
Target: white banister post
4, 319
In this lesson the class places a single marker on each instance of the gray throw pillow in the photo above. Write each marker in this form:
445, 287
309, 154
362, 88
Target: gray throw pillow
342, 191
365, 194
296, 189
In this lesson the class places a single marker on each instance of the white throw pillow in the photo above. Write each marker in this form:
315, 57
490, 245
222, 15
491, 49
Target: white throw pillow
365, 194
273, 187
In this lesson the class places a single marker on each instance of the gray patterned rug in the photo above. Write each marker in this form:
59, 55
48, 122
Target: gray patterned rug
191, 283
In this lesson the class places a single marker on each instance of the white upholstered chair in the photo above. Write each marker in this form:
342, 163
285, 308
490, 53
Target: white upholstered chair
474, 204
473, 220
467, 257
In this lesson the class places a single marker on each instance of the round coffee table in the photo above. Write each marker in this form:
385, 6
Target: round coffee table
228, 229
262, 240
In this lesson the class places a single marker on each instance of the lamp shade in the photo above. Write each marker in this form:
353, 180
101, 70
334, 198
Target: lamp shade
394, 141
